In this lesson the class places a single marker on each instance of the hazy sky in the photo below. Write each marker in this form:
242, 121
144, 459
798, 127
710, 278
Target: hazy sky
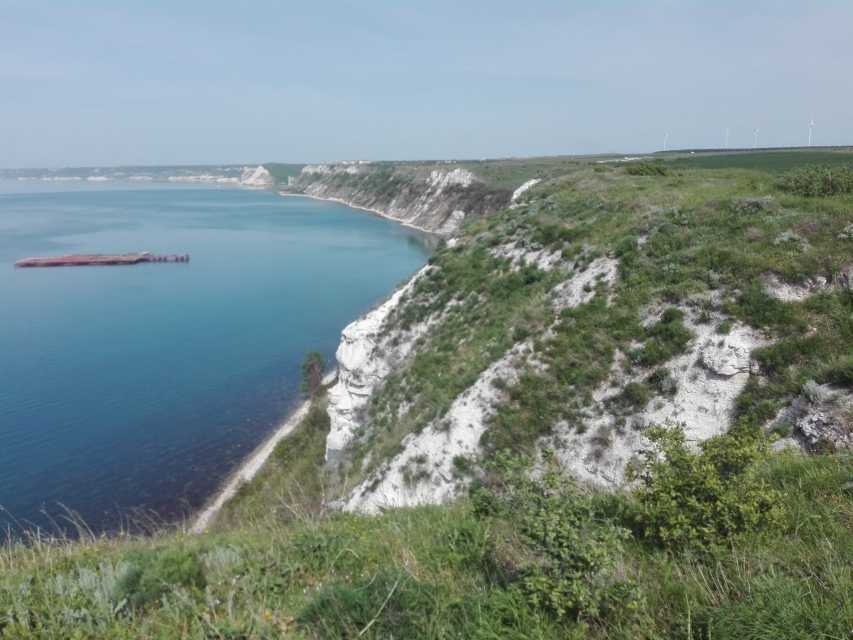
99, 83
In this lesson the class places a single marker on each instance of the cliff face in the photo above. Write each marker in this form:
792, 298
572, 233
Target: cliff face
574, 319
433, 199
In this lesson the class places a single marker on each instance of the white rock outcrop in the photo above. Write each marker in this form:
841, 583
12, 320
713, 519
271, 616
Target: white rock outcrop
259, 177
520, 255
456, 177
523, 188
423, 473
366, 355
775, 287
580, 288
433, 202
708, 377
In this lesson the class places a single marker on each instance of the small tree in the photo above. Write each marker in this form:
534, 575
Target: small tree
312, 373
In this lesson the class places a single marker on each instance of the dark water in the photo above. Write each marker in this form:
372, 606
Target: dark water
142, 387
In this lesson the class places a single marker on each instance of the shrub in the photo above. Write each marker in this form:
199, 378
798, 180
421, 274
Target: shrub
634, 396
557, 551
152, 574
646, 169
661, 380
818, 180
665, 339
698, 499
312, 373
839, 373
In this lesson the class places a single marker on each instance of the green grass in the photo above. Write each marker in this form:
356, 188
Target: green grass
772, 161
696, 240
439, 572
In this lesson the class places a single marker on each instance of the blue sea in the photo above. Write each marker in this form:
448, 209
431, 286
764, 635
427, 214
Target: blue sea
139, 388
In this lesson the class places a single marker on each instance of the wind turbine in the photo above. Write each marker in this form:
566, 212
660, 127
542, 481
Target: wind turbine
755, 140
665, 140
811, 126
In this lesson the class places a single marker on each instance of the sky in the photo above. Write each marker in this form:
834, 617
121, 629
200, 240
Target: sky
183, 82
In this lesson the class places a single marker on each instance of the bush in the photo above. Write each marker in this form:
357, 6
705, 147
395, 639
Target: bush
698, 499
839, 373
665, 339
818, 180
634, 396
152, 574
556, 551
646, 169
312, 373
661, 380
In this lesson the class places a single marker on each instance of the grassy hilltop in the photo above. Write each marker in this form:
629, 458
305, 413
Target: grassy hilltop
732, 540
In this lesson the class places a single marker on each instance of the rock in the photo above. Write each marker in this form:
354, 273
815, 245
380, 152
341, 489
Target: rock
846, 233
437, 202
457, 177
824, 427
365, 356
452, 223
432, 451
525, 187
754, 205
787, 292
580, 288
729, 356
257, 177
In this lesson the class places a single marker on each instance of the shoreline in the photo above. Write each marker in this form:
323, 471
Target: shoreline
381, 214
254, 462
251, 465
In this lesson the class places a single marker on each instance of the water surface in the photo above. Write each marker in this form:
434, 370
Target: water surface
142, 386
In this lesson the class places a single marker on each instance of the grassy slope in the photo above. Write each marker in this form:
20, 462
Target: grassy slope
276, 564
329, 578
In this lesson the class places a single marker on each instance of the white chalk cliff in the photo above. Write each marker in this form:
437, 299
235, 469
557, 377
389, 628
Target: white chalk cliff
438, 201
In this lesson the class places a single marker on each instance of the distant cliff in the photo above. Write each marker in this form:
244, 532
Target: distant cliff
431, 197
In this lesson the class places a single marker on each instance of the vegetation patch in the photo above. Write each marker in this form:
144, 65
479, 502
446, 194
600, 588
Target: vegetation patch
818, 180
698, 499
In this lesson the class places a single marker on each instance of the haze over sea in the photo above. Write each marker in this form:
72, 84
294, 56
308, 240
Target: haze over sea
142, 387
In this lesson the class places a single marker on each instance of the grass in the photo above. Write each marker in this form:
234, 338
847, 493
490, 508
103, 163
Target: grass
770, 161
431, 572
692, 241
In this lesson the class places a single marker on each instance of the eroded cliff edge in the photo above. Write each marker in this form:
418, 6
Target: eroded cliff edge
431, 197
571, 321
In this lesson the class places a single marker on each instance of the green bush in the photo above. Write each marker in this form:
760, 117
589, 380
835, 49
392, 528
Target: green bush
818, 181
554, 548
839, 373
646, 169
698, 499
666, 338
661, 380
152, 574
634, 396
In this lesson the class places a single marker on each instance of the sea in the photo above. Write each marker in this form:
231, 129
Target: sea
129, 393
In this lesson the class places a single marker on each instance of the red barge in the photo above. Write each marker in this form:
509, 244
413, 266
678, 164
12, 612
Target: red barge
99, 260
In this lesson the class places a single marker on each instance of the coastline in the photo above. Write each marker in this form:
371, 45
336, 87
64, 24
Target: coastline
254, 462
379, 213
